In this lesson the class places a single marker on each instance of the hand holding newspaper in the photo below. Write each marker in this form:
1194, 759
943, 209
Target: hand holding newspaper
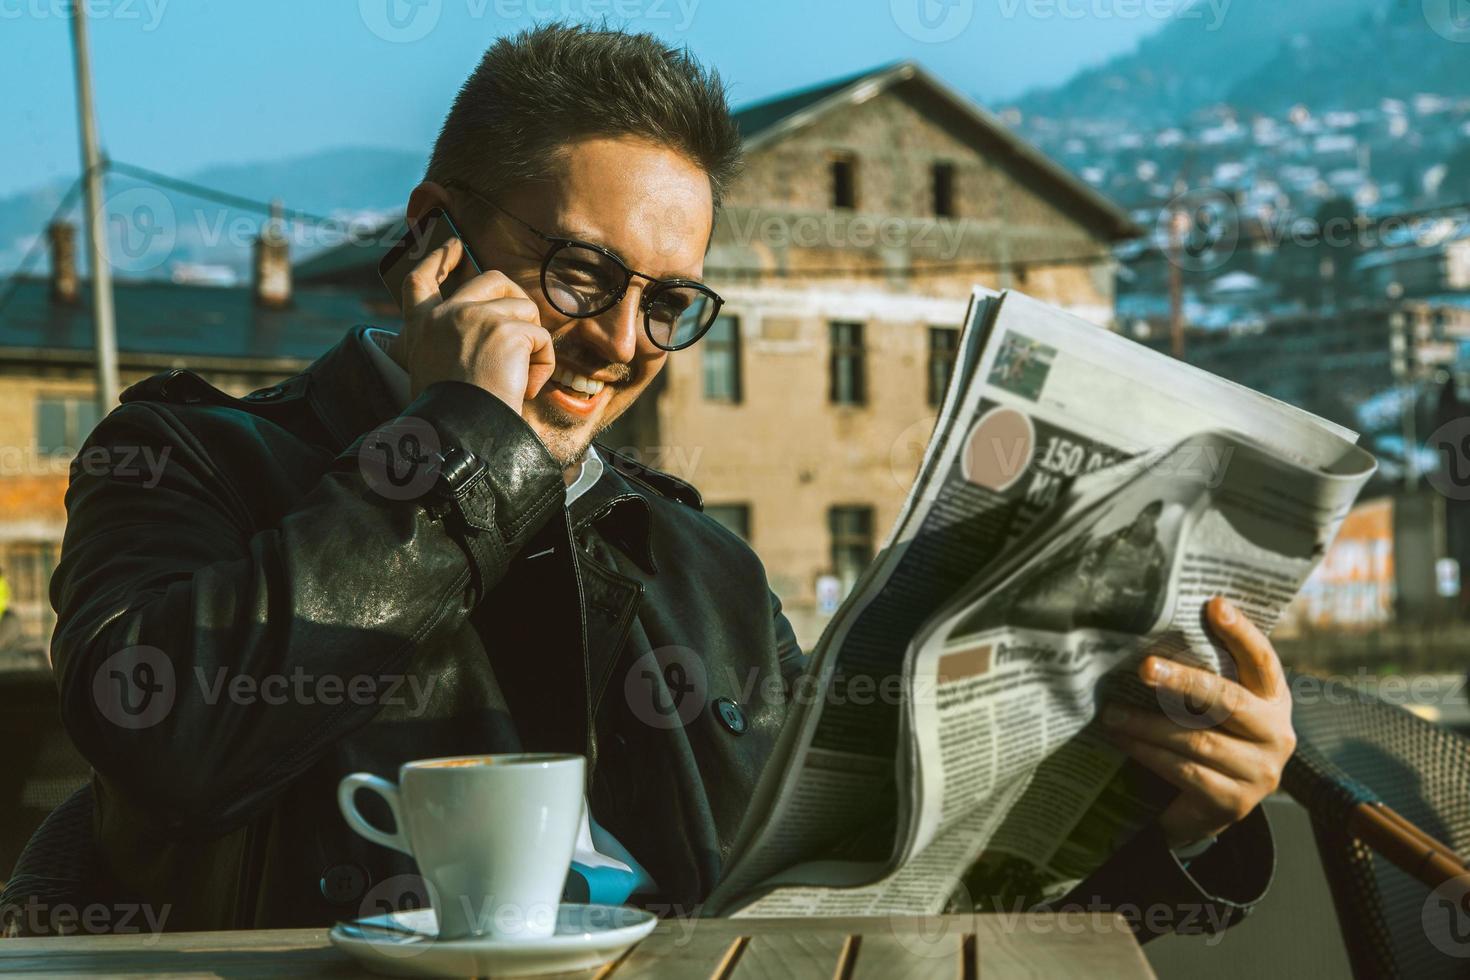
1079, 501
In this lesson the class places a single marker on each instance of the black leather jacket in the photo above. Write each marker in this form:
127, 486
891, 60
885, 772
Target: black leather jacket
259, 617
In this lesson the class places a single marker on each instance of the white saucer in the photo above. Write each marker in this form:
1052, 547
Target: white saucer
405, 944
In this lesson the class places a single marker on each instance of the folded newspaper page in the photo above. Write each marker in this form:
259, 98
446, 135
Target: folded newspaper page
1080, 499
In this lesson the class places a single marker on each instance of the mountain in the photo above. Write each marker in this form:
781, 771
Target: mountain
152, 228
1390, 50
1211, 50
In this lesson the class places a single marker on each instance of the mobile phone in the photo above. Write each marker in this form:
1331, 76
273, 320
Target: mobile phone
423, 236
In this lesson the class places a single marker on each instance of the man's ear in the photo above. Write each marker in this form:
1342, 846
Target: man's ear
425, 197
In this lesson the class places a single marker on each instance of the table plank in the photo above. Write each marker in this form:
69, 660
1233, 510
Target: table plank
906, 948
1068, 944
784, 955
680, 948
894, 956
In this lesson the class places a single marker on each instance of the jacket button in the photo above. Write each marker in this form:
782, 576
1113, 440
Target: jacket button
343, 884
731, 715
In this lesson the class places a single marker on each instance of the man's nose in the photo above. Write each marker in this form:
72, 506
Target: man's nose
614, 333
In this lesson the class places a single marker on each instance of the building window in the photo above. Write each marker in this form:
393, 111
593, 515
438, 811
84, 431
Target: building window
944, 344
734, 517
847, 383
62, 424
943, 180
720, 356
852, 543
844, 182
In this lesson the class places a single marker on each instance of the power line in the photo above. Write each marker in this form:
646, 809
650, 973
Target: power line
226, 198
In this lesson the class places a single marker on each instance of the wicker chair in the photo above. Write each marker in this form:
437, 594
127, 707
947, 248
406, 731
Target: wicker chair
58, 872
1355, 748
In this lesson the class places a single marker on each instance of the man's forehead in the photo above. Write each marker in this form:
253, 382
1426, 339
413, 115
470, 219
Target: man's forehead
651, 205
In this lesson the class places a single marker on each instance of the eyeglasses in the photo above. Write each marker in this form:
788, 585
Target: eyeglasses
581, 280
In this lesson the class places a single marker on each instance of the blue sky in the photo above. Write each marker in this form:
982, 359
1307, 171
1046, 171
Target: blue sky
185, 83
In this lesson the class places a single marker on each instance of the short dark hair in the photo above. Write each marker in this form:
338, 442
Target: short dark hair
535, 92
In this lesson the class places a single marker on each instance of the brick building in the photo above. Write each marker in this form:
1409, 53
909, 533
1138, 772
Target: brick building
241, 338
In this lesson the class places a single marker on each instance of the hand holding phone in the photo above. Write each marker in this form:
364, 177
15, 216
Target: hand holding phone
461, 324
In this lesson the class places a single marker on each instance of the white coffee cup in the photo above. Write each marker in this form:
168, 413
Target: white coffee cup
492, 834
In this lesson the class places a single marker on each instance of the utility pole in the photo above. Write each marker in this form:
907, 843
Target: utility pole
102, 310
1178, 222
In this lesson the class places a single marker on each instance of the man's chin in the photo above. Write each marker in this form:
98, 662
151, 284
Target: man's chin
565, 436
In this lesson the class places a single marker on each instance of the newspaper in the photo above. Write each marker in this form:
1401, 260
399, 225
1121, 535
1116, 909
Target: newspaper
1079, 500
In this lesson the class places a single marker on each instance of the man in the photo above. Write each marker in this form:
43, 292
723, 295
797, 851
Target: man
287, 606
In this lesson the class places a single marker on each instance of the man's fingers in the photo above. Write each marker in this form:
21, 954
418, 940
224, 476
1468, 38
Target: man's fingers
1214, 792
1214, 747
542, 364
493, 285
1204, 698
1255, 658
421, 286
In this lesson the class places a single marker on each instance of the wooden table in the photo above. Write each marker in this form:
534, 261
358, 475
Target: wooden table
957, 947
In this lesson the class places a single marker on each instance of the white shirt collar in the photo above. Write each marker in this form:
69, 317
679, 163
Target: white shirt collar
395, 378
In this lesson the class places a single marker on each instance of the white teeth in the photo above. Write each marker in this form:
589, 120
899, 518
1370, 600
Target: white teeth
577, 382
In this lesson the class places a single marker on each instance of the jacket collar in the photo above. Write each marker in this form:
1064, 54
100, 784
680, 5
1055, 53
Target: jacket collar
347, 393
619, 508
348, 396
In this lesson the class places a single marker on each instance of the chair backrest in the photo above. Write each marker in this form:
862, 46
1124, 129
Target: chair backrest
42, 767
1420, 770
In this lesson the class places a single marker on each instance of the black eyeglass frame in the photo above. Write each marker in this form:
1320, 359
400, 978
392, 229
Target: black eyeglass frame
655, 287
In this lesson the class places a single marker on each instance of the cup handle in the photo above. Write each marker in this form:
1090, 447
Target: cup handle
347, 803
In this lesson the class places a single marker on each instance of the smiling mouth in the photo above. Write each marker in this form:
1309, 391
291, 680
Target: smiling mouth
577, 385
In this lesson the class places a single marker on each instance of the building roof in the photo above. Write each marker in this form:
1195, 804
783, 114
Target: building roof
768, 121
162, 322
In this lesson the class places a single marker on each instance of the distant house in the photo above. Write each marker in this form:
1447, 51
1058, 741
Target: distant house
240, 338
1418, 270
